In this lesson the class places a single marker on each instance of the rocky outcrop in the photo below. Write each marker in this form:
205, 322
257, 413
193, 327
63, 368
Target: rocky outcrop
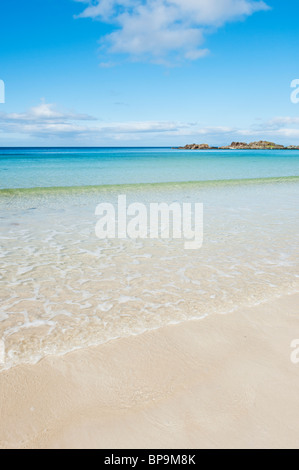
260, 145
264, 145
236, 145
195, 147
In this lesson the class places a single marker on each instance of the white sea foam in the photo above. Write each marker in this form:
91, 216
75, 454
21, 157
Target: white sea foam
63, 289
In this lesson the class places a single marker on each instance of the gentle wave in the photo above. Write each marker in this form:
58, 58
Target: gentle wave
141, 186
63, 289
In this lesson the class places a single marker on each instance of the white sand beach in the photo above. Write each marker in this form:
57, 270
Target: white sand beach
226, 381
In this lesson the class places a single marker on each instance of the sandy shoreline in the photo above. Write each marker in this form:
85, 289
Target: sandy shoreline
225, 381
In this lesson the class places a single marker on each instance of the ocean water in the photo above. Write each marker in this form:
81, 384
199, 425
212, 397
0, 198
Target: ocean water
29, 168
63, 289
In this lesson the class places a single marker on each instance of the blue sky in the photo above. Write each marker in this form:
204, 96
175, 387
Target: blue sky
148, 72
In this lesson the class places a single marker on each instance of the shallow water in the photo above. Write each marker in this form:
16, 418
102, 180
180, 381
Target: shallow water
62, 288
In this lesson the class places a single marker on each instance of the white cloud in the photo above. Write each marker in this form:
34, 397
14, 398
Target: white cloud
44, 120
46, 123
279, 122
290, 133
284, 127
42, 113
158, 28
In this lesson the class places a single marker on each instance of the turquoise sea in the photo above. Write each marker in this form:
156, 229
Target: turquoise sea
49, 167
63, 289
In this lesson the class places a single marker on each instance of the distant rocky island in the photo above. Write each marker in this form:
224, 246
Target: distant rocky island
261, 145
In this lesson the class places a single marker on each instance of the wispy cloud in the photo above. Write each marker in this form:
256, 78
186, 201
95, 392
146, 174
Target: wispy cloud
157, 29
47, 122
279, 127
44, 113
281, 122
44, 120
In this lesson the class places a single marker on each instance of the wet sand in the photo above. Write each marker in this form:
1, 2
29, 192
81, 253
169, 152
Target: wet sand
226, 381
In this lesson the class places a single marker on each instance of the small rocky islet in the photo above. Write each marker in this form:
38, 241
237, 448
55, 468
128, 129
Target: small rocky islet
261, 145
